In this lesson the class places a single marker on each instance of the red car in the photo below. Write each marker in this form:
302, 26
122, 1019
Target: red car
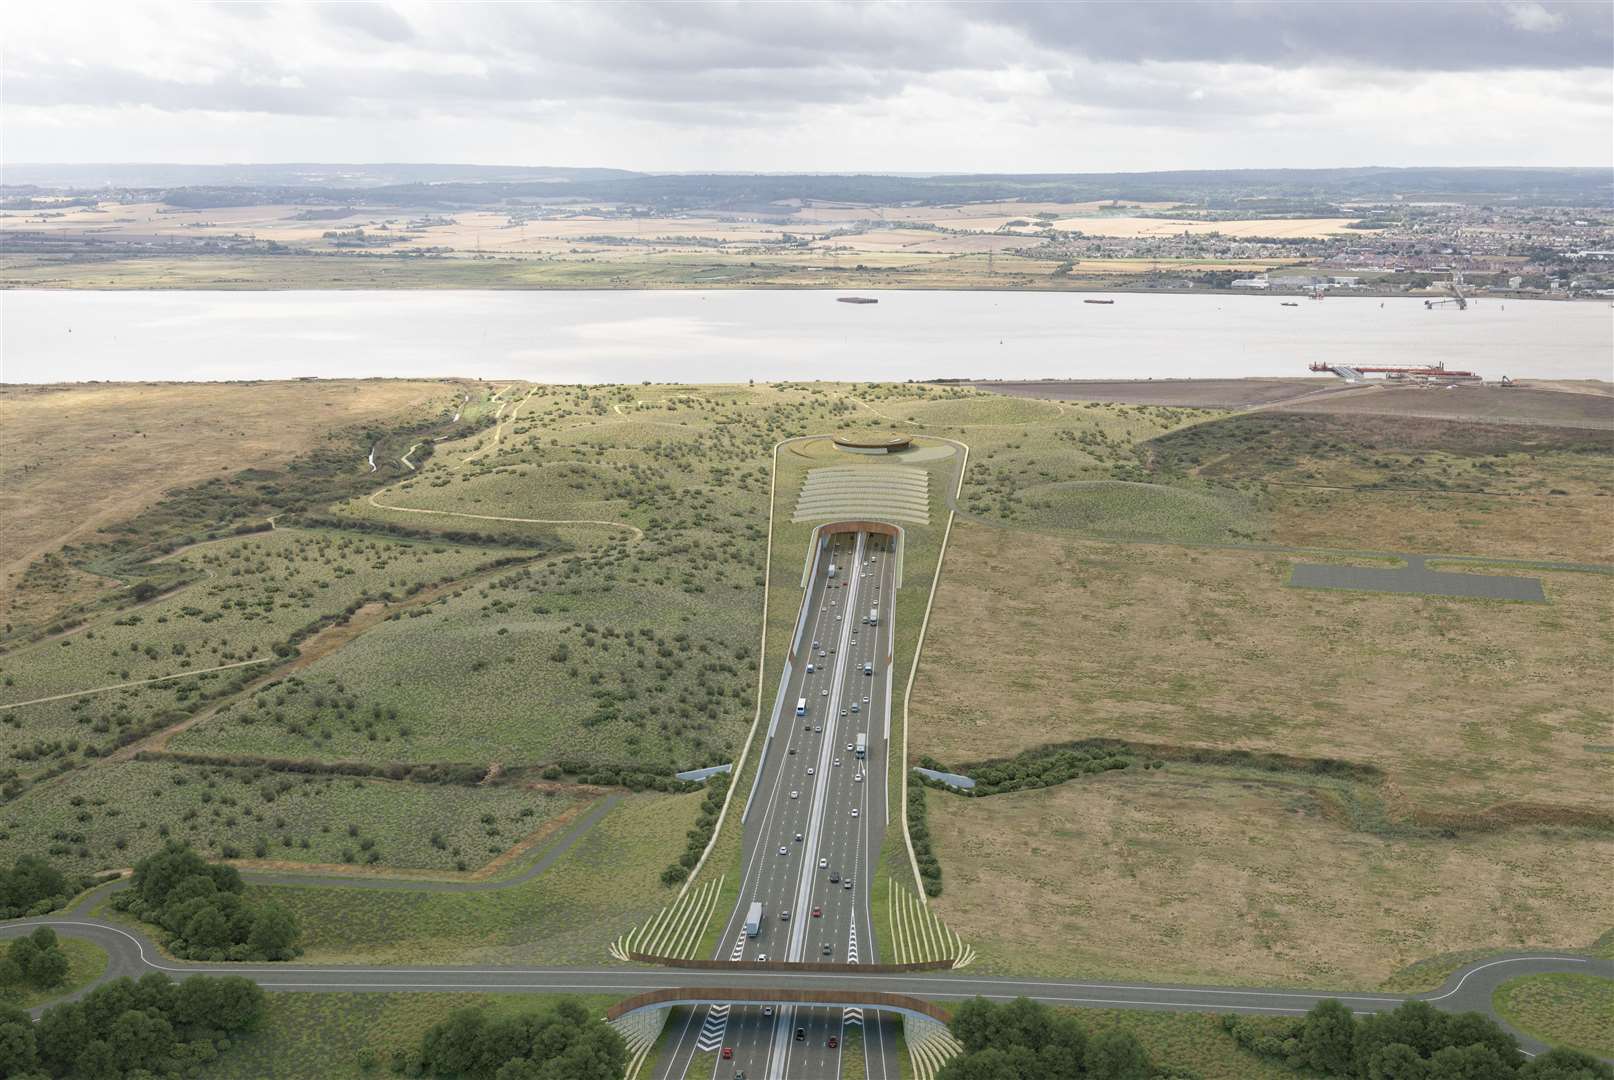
833, 1042
818, 912
728, 1053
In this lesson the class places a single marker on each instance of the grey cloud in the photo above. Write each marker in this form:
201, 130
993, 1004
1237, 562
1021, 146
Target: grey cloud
67, 84
376, 20
1436, 35
730, 64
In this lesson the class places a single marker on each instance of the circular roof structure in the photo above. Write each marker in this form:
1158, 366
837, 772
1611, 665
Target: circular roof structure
873, 441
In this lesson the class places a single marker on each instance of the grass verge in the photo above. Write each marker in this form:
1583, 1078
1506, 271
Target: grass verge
1571, 1011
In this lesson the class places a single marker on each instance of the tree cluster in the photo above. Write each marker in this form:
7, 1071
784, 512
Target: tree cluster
32, 887
919, 833
1045, 768
700, 834
36, 960
1415, 1041
1024, 1040
203, 906
559, 1043
127, 1030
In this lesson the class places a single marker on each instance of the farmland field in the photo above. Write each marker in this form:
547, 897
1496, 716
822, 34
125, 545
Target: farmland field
1208, 875
1046, 640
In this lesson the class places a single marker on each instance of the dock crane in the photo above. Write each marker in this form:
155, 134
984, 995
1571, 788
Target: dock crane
1457, 297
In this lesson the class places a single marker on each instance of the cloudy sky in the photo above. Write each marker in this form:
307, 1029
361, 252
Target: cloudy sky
988, 87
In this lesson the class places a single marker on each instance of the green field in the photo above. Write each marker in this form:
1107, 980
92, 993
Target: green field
86, 962
1122, 509
1571, 1011
255, 591
1194, 1043
351, 1036
110, 816
607, 881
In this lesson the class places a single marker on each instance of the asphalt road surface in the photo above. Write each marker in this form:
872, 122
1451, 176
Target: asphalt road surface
1467, 989
812, 831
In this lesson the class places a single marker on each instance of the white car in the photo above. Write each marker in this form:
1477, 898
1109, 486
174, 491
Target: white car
794, 794
762, 956
854, 811
781, 849
823, 693
843, 712
823, 864
809, 770
837, 618
858, 778
837, 763
798, 838
848, 748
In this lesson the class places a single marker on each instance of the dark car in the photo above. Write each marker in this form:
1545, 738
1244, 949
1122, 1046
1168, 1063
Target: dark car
833, 1042
801, 1034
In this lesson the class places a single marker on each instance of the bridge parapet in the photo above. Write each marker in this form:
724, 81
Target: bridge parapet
748, 995
786, 966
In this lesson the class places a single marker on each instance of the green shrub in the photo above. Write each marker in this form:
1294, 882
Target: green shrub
202, 907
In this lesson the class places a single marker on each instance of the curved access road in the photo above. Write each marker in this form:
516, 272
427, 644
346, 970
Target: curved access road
1469, 989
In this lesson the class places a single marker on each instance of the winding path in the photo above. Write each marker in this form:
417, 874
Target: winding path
138, 682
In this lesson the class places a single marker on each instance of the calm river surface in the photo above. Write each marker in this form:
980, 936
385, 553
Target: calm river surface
731, 335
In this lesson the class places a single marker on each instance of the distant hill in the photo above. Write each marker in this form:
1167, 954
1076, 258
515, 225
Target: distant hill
451, 186
332, 175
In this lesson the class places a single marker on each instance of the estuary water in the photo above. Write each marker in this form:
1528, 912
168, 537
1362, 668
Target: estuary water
771, 335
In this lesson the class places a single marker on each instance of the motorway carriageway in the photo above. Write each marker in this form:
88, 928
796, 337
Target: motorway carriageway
825, 808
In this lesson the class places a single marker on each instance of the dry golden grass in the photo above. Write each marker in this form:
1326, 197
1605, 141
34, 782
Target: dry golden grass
1192, 875
1468, 706
76, 458
1578, 527
1110, 225
921, 240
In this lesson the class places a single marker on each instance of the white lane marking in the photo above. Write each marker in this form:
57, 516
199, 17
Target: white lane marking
712, 1032
753, 871
1509, 960
617, 980
678, 1048
815, 824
